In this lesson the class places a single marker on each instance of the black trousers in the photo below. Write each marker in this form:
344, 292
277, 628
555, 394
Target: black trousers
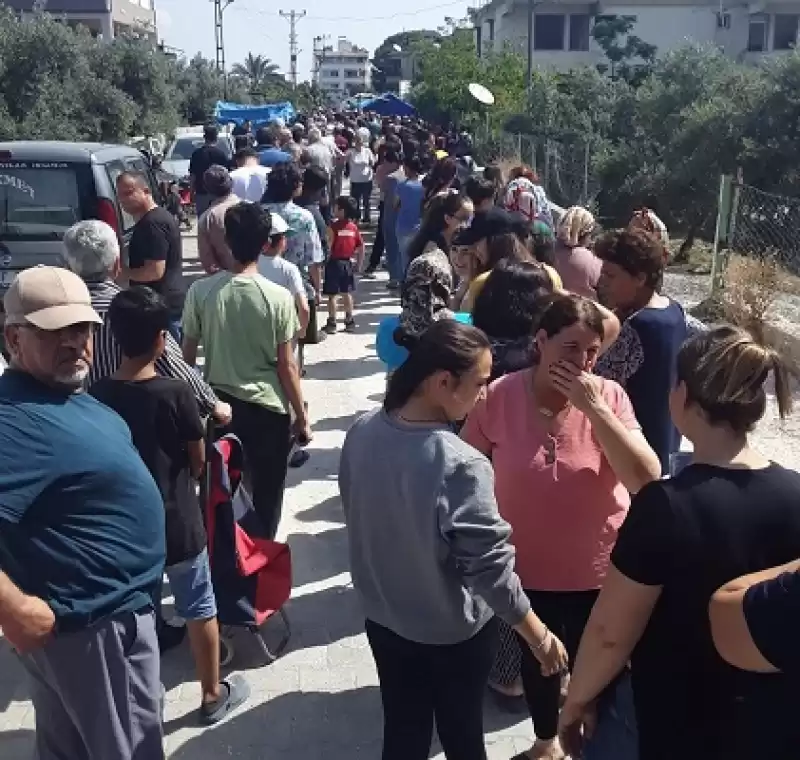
266, 442
565, 613
378, 246
421, 683
362, 192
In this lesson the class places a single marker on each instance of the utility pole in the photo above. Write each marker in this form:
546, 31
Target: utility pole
219, 9
530, 44
319, 56
294, 17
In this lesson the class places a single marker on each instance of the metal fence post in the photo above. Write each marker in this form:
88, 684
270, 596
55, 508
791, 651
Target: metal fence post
722, 237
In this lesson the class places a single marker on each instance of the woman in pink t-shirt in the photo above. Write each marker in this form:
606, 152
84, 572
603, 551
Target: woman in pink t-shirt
567, 451
574, 261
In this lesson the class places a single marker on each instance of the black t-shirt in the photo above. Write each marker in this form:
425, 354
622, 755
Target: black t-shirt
162, 416
772, 611
157, 237
203, 159
690, 535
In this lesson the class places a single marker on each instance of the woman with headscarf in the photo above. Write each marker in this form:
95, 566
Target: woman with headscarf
525, 196
578, 266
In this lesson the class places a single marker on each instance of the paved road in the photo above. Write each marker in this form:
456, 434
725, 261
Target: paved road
320, 700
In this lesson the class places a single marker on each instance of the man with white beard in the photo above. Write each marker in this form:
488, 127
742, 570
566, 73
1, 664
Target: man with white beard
81, 535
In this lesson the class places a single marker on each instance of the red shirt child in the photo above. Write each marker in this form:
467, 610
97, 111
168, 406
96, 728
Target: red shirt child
345, 239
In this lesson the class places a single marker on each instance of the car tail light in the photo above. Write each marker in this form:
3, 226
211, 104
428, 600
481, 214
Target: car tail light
107, 213
5, 155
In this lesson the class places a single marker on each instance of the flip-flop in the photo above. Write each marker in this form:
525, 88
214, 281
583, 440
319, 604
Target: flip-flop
238, 692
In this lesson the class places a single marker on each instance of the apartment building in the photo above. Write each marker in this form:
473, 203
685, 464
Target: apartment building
562, 29
104, 18
342, 70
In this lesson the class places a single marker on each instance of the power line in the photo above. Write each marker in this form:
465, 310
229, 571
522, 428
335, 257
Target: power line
293, 16
365, 19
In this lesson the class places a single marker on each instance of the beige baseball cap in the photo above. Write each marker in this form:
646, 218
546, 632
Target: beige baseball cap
49, 298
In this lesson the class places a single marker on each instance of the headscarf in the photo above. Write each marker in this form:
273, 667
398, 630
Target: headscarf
524, 197
575, 225
645, 219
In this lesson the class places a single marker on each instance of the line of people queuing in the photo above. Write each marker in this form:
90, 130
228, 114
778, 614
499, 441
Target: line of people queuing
100, 488
536, 526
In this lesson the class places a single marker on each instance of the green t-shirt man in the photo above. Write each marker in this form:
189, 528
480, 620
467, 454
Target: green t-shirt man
241, 319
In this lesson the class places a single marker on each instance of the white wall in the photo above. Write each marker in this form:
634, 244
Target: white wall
666, 26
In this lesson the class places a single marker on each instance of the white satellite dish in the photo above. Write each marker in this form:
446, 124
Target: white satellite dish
481, 94
397, 48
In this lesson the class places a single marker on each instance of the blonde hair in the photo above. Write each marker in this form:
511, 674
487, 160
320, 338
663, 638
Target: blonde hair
576, 225
725, 370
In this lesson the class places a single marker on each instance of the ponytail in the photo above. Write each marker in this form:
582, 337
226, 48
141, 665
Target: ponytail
446, 346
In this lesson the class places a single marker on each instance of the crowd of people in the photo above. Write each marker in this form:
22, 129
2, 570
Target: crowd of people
519, 512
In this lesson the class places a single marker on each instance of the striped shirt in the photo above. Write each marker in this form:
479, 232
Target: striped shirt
108, 355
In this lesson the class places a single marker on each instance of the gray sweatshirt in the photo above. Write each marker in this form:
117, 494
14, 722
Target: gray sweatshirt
429, 553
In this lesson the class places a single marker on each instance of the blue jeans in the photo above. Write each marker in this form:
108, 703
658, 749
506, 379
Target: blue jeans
615, 737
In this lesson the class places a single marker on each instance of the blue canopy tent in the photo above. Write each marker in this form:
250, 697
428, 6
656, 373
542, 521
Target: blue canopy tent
389, 104
236, 113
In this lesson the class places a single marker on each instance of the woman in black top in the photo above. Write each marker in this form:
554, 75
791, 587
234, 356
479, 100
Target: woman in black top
729, 513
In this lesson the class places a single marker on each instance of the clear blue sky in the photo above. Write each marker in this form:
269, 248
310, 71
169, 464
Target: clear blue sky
255, 25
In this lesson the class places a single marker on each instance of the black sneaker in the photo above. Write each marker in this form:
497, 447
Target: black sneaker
330, 327
350, 325
369, 274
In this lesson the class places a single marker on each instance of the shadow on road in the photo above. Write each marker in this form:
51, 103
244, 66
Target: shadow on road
308, 725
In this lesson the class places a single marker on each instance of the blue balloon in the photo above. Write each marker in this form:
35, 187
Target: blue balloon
389, 352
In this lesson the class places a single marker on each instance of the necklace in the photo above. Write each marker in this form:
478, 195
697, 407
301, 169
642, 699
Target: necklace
543, 410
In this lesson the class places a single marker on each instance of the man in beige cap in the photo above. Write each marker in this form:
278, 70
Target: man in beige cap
81, 535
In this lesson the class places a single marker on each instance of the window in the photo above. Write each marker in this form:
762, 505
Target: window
331, 73
351, 73
757, 33
490, 25
579, 31
785, 34
548, 31
38, 203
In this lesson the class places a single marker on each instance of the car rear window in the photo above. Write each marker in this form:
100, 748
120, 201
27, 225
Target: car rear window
38, 200
183, 148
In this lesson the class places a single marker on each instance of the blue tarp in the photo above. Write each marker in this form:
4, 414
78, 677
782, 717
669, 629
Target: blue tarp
389, 104
236, 113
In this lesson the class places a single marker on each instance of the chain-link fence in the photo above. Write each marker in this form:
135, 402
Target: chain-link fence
563, 164
765, 226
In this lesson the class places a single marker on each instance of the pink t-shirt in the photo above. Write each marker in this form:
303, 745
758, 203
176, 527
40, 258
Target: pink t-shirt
565, 512
579, 269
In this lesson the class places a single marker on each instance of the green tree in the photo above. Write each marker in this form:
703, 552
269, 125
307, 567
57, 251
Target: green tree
387, 61
50, 88
630, 57
258, 72
447, 98
144, 74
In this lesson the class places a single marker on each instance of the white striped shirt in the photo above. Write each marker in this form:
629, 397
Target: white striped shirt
108, 355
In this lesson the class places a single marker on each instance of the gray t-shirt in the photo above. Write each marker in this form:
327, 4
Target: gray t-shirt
429, 552
276, 269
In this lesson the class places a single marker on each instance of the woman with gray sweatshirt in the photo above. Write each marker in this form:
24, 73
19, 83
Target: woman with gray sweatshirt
429, 553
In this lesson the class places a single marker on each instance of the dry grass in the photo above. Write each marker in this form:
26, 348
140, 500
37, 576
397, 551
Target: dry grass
751, 288
702, 254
